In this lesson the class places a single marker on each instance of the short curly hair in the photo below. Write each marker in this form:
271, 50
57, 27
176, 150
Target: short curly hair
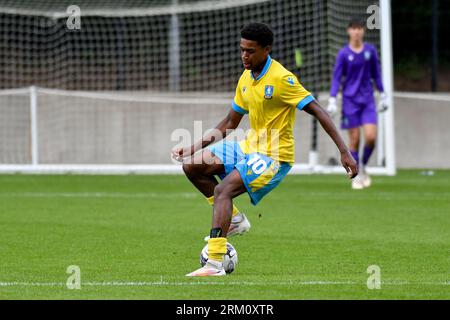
259, 32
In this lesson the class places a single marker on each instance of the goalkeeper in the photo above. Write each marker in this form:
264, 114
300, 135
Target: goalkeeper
270, 95
358, 63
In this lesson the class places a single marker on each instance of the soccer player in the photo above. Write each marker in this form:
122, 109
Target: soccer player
270, 95
358, 62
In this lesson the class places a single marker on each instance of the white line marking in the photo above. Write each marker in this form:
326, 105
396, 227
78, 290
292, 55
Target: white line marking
98, 195
210, 283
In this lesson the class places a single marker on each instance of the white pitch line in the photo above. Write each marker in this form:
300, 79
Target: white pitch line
209, 283
97, 195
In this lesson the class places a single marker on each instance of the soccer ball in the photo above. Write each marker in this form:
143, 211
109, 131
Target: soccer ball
230, 258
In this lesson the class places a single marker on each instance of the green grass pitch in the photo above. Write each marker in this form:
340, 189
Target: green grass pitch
135, 237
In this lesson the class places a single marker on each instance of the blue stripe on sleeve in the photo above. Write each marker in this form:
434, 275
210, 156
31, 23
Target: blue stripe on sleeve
304, 102
238, 109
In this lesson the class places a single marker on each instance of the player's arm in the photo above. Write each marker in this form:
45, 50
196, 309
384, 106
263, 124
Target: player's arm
230, 122
338, 71
376, 71
376, 75
336, 83
314, 109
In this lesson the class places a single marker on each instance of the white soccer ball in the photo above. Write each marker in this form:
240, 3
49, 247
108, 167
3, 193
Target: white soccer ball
230, 258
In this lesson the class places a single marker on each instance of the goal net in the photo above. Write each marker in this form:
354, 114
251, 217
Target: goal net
109, 86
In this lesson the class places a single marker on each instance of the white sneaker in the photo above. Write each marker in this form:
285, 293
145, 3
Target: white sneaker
365, 178
211, 269
239, 225
357, 183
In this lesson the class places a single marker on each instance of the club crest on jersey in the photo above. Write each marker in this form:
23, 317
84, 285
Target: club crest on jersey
291, 81
367, 55
350, 57
268, 92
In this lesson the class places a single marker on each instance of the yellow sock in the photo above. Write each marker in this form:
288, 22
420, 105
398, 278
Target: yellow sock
235, 211
211, 202
217, 247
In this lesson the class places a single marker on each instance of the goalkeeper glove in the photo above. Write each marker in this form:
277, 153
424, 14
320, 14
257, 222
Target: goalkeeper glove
383, 103
332, 106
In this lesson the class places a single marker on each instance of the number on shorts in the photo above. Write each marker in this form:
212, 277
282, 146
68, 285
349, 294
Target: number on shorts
257, 164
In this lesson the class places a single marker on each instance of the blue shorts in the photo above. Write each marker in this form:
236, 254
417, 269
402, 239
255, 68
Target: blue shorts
259, 172
357, 111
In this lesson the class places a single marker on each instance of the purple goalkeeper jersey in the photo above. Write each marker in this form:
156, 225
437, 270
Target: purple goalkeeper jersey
358, 69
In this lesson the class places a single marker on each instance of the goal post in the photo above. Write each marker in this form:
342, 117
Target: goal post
108, 97
388, 134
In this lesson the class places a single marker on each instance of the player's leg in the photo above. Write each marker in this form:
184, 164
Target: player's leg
354, 140
230, 187
201, 170
352, 121
369, 124
229, 153
255, 174
370, 135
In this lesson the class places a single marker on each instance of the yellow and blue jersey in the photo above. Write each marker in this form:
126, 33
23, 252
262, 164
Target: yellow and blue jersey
270, 100
266, 155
